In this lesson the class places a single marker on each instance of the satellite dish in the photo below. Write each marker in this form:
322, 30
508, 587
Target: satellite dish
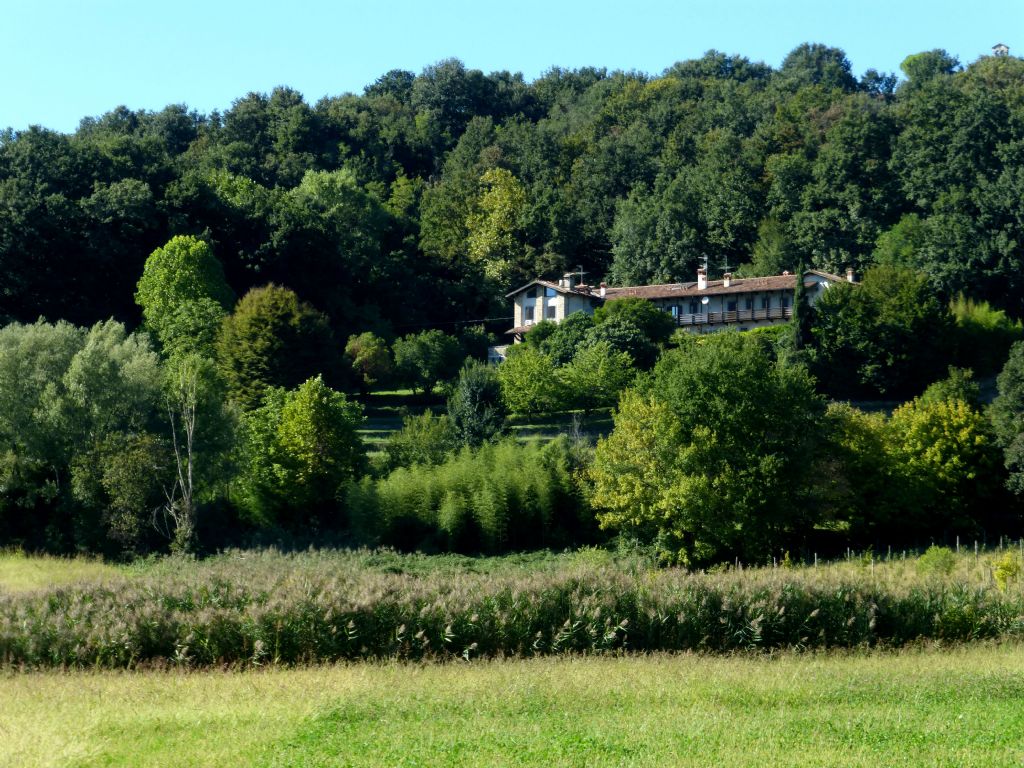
704, 299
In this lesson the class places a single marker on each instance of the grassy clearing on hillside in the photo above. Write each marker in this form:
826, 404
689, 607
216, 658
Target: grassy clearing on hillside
257, 608
384, 410
958, 707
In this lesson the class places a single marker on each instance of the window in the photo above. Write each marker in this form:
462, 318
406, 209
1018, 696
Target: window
766, 302
540, 291
694, 307
748, 303
674, 309
785, 302
549, 312
528, 313
731, 306
549, 292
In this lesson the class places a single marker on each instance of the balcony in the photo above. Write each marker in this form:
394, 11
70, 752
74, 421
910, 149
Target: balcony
739, 316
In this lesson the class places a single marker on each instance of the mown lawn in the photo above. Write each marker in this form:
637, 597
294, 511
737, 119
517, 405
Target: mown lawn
956, 707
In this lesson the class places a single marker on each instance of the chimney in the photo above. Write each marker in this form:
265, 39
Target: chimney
702, 279
604, 289
849, 275
727, 279
569, 280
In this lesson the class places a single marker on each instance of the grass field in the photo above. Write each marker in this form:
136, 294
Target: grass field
955, 707
250, 608
20, 573
383, 416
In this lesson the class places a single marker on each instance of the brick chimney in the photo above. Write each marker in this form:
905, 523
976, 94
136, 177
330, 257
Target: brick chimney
702, 279
727, 279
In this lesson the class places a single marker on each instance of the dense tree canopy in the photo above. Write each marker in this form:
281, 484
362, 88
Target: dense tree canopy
714, 454
140, 403
452, 184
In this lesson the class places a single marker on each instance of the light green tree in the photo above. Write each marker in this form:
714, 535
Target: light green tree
947, 452
496, 226
735, 458
596, 376
529, 384
183, 295
300, 445
370, 358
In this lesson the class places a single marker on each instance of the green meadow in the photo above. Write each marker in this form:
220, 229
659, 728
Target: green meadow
960, 706
915, 702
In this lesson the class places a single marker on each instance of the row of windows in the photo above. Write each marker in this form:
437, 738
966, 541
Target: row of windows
731, 306
549, 313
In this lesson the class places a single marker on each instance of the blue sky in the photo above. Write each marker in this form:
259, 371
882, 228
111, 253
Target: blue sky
65, 59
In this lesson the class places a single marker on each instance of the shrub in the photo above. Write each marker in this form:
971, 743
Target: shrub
1007, 570
939, 561
254, 608
501, 497
984, 334
423, 439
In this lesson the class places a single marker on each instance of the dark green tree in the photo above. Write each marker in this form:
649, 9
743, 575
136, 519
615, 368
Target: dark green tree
654, 322
475, 407
888, 335
425, 359
273, 339
624, 335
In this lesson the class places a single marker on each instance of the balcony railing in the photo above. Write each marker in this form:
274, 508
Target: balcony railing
739, 316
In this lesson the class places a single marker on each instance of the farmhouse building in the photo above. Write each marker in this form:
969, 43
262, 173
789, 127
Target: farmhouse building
703, 306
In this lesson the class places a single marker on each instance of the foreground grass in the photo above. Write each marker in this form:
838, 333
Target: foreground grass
260, 607
955, 707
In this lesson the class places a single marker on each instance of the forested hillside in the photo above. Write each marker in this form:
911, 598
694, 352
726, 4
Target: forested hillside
426, 197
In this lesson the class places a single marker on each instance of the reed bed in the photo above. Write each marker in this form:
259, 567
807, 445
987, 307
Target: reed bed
258, 608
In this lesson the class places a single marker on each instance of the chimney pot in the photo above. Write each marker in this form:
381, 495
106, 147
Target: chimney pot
727, 279
702, 279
